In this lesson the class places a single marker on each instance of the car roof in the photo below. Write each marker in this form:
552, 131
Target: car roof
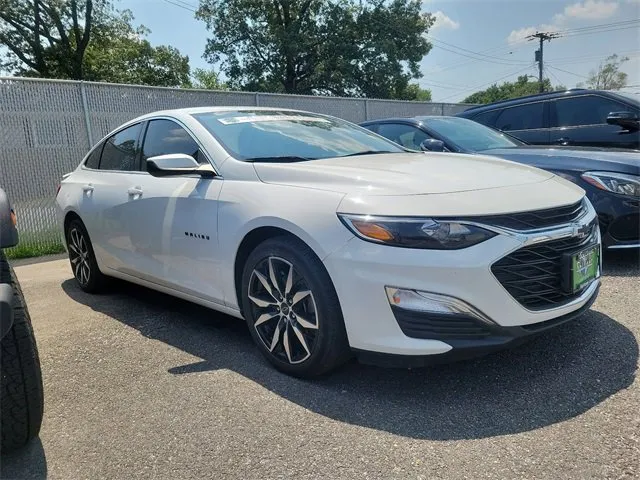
413, 120
178, 112
573, 92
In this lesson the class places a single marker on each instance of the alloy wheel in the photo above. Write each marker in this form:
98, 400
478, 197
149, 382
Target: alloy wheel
284, 312
79, 256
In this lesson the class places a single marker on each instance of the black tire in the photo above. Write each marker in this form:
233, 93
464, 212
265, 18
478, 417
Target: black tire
326, 344
22, 398
83, 264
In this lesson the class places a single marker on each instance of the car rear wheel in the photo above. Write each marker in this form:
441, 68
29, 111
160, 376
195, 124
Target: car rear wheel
82, 258
292, 309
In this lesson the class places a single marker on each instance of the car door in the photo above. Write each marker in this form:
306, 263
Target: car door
173, 221
528, 122
403, 134
105, 182
582, 120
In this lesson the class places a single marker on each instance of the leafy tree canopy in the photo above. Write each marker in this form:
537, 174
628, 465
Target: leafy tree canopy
608, 75
368, 48
207, 79
84, 40
521, 87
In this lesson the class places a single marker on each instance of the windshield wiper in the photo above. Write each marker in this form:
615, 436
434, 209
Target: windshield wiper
282, 159
366, 152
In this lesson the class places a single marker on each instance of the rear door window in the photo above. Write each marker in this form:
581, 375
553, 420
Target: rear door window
164, 137
120, 151
585, 110
522, 117
487, 118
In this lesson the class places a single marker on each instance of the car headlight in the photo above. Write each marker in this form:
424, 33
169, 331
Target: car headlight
620, 183
416, 232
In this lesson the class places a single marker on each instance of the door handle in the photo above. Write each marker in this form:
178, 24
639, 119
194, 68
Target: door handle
563, 140
135, 192
88, 188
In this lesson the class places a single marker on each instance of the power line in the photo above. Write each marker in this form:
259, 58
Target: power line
567, 71
604, 25
508, 50
553, 75
592, 58
599, 31
487, 58
181, 5
489, 83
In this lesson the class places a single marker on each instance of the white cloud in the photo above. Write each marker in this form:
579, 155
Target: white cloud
587, 10
442, 21
591, 9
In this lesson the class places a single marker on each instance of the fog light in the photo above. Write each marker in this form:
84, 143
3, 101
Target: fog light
419, 301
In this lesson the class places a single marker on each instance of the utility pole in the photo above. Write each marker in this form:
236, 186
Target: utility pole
541, 36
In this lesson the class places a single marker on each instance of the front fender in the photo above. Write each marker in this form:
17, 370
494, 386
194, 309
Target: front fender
308, 214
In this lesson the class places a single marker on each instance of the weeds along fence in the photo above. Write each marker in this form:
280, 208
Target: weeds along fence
47, 126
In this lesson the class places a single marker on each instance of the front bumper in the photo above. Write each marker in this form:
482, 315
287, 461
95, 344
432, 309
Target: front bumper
361, 271
498, 338
619, 219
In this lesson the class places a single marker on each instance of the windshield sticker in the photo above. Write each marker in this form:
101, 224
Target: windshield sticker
270, 118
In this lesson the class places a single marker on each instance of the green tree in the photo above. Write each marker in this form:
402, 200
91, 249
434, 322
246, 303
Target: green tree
521, 87
366, 48
608, 75
414, 92
119, 53
84, 40
207, 79
47, 38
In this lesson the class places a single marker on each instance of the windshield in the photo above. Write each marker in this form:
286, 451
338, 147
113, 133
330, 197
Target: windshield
469, 135
268, 135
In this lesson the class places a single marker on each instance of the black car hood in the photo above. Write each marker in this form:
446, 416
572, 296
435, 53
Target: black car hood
572, 158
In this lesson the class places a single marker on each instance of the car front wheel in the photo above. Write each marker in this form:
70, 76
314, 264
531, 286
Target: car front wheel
292, 309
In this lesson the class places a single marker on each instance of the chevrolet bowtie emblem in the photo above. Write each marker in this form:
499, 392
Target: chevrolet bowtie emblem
582, 231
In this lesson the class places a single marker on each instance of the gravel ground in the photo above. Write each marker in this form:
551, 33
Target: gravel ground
141, 385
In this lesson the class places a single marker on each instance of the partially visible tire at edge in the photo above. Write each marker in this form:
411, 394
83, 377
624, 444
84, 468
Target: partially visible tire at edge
319, 323
83, 259
22, 397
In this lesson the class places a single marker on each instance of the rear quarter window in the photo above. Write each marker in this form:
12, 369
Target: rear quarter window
93, 160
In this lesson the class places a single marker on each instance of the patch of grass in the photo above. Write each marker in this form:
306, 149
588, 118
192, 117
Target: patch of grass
33, 250
36, 244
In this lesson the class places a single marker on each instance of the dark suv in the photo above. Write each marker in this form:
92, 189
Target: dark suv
576, 117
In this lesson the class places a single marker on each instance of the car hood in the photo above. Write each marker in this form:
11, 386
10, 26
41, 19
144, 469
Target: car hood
573, 158
402, 174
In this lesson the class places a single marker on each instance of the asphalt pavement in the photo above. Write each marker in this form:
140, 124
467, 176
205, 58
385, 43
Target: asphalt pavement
142, 385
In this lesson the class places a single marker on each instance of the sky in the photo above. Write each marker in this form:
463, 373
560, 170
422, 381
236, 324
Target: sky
475, 42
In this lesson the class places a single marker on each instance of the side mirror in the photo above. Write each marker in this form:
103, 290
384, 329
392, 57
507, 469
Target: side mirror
627, 120
432, 145
177, 164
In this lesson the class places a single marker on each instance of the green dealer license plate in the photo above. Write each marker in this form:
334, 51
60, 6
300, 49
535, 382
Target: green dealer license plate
584, 267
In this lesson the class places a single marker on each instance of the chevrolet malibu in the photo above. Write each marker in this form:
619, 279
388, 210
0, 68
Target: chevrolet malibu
329, 240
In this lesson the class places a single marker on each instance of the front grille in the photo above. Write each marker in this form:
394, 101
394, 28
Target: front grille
438, 326
536, 218
533, 274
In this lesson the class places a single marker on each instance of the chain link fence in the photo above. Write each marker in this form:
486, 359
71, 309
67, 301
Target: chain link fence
46, 127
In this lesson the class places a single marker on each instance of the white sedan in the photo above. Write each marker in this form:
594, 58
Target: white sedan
330, 240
